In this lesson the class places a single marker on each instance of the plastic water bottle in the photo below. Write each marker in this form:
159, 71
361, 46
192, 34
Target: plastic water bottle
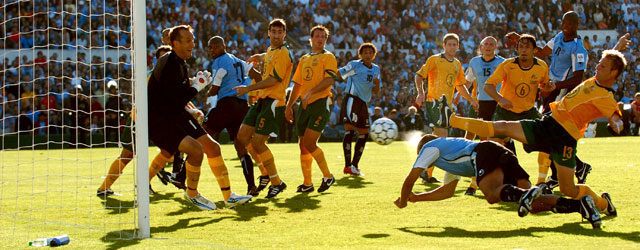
53, 241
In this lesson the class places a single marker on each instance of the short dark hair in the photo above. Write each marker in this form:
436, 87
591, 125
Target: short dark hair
571, 16
215, 40
278, 22
162, 48
426, 138
617, 60
528, 37
367, 45
319, 27
174, 34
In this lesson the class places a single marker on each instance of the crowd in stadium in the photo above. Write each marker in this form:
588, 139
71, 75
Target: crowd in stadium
405, 33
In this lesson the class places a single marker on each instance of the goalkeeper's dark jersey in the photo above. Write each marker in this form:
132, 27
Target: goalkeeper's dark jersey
169, 89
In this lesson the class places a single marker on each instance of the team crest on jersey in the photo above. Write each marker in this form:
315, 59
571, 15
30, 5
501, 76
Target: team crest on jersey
534, 77
589, 89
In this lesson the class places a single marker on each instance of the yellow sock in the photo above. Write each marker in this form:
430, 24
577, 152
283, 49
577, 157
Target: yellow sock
114, 172
474, 183
306, 160
270, 165
477, 126
430, 171
601, 203
318, 155
156, 165
193, 177
543, 166
222, 175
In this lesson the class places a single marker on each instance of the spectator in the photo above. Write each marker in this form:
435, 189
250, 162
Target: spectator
377, 114
393, 115
413, 121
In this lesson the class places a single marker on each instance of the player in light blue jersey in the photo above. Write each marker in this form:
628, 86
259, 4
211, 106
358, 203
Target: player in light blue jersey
478, 71
568, 62
499, 174
228, 71
363, 80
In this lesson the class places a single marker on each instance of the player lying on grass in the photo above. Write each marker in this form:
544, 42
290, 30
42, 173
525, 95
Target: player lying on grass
559, 132
500, 177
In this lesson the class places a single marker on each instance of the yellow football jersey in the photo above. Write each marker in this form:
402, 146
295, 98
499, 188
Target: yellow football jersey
520, 86
442, 76
278, 64
312, 69
585, 103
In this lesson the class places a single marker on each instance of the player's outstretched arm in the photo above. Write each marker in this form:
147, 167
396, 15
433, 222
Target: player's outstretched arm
419, 82
407, 187
570, 83
445, 191
266, 83
293, 97
376, 88
327, 82
491, 90
465, 94
623, 42
616, 123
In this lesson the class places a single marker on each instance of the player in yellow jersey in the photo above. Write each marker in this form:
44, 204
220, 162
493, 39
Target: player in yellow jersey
520, 77
560, 131
445, 75
265, 116
313, 79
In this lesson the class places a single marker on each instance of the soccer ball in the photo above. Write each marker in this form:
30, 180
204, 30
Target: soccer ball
383, 131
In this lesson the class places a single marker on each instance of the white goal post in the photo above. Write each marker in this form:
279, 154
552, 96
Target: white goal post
70, 73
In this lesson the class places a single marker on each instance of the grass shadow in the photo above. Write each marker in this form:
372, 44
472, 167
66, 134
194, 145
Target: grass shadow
250, 210
116, 206
299, 203
116, 241
572, 228
375, 236
353, 182
161, 196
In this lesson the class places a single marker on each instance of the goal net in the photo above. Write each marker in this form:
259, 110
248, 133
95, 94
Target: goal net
69, 81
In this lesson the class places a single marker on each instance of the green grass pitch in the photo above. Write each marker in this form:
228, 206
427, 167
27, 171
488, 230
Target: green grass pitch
356, 213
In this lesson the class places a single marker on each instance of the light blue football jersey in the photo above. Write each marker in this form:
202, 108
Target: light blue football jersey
234, 72
566, 57
360, 79
480, 70
455, 156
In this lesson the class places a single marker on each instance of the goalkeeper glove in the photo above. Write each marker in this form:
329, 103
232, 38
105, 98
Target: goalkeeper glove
201, 80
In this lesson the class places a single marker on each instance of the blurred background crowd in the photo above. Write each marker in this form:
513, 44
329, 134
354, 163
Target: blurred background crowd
84, 85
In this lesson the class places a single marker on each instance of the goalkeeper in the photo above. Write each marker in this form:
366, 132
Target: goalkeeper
126, 155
